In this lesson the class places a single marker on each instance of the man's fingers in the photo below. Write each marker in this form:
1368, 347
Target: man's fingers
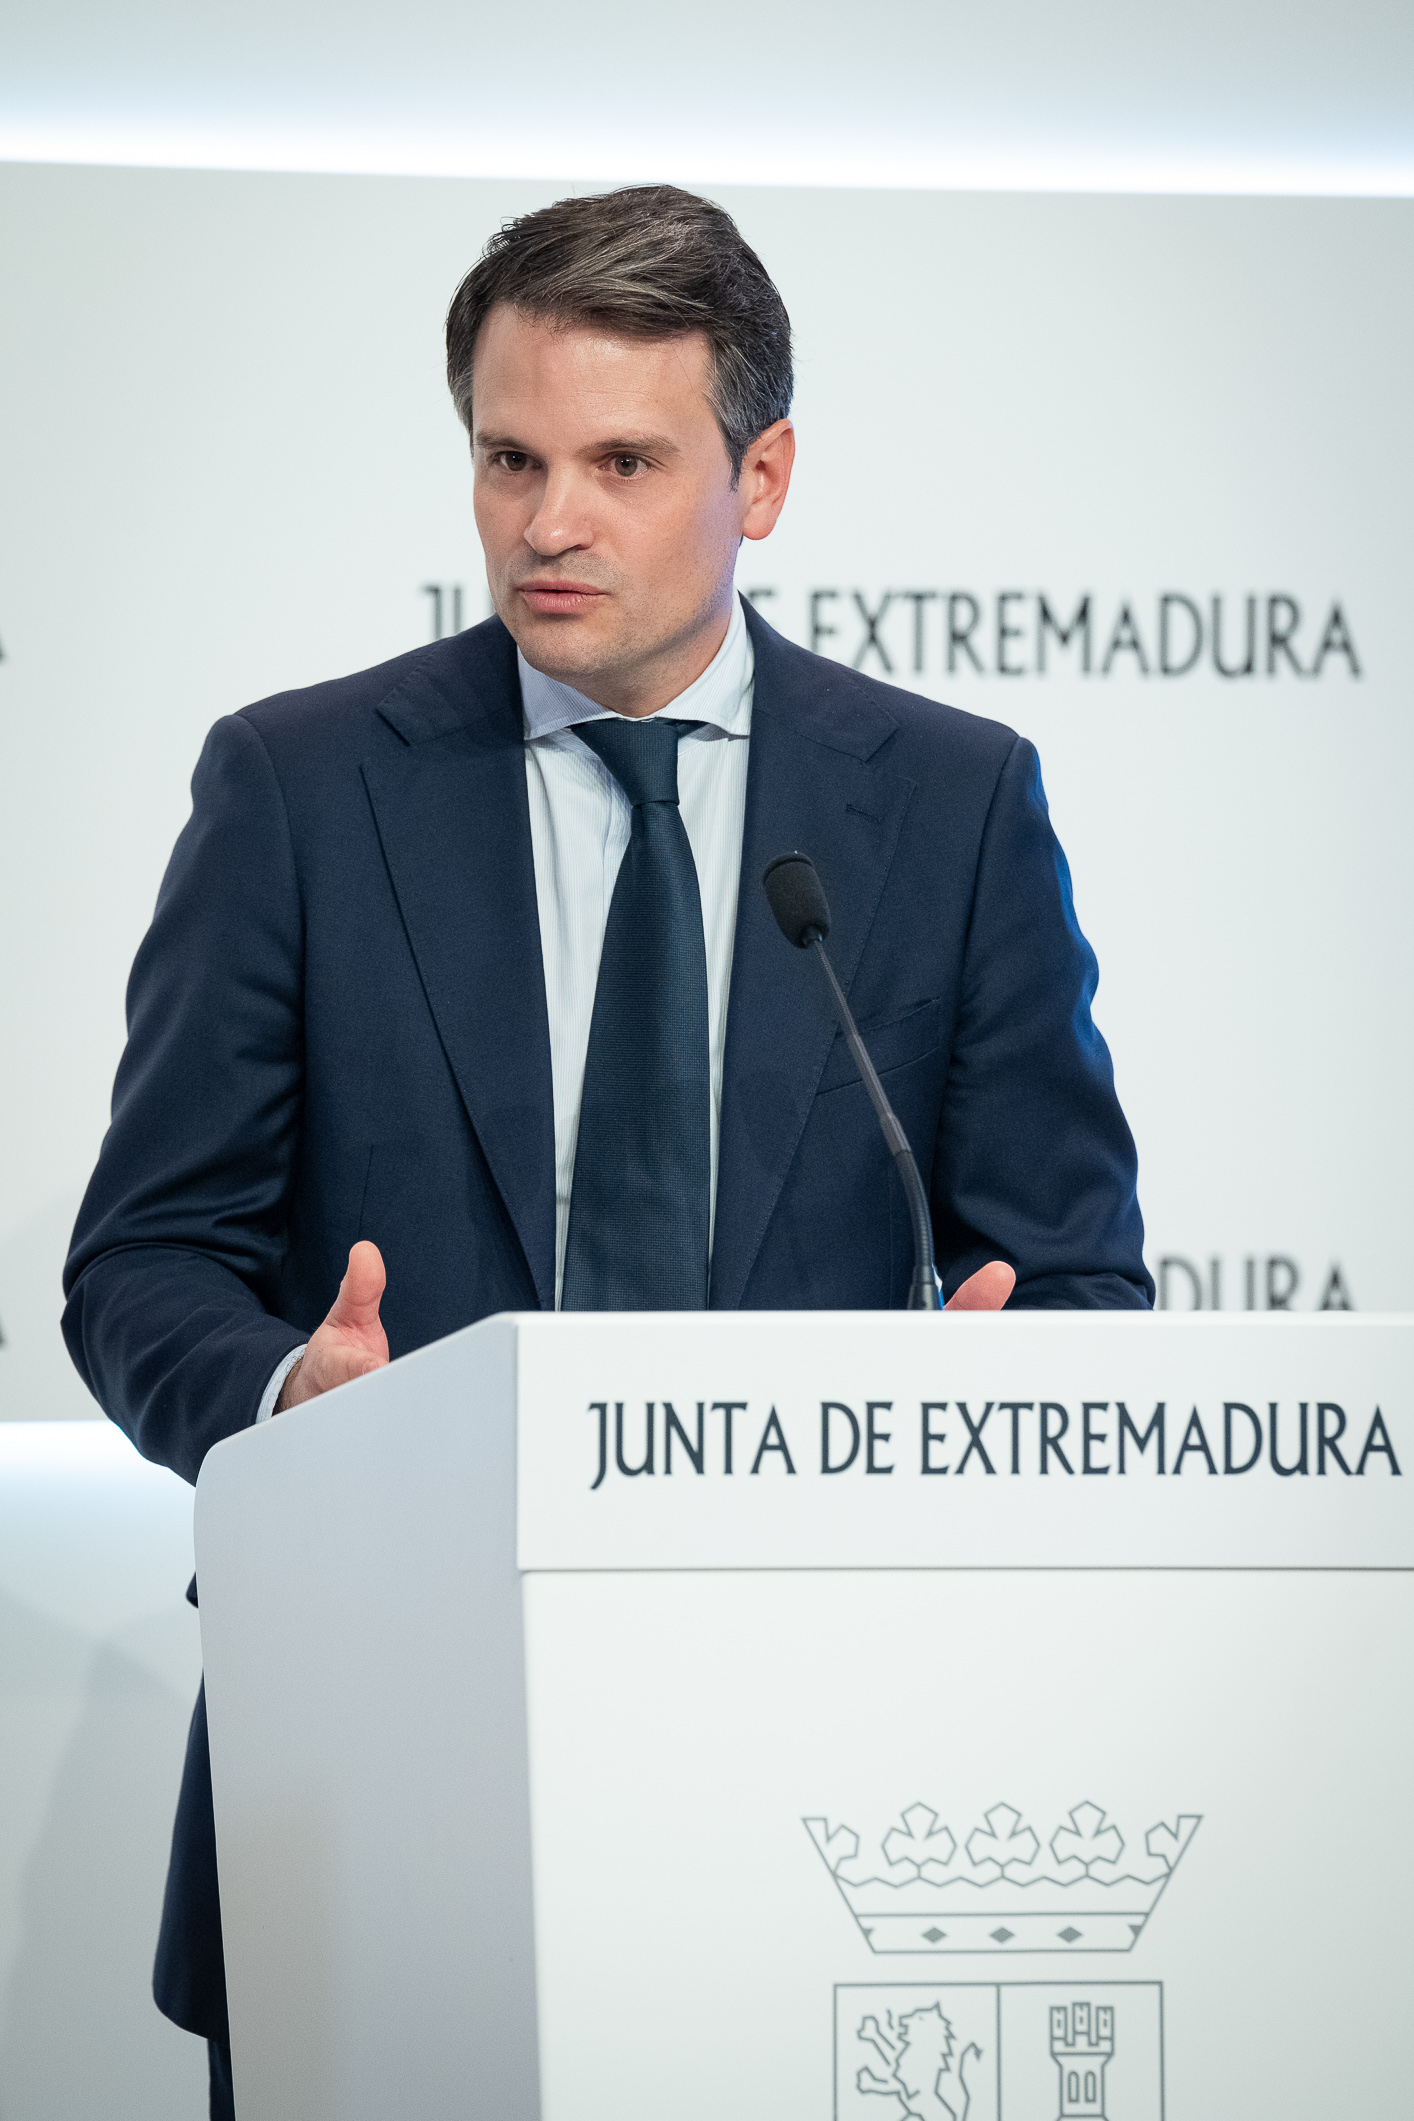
355, 1308
351, 1341
986, 1290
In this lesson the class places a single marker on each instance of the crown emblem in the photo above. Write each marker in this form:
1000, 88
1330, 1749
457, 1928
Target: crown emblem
1001, 1889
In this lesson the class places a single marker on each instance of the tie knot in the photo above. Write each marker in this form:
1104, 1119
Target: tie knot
641, 755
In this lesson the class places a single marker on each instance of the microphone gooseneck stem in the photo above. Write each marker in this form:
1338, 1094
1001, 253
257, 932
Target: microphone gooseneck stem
923, 1293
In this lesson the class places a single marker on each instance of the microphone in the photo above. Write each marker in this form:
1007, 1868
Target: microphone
797, 898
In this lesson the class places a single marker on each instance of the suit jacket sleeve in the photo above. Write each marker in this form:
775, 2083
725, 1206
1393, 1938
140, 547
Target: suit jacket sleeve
180, 1235
1035, 1162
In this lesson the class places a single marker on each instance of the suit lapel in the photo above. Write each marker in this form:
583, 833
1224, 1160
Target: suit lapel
814, 783
454, 822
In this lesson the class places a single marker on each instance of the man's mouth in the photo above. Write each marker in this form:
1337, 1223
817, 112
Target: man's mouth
552, 598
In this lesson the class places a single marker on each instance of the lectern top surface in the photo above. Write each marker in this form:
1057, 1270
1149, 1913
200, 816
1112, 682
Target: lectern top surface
827, 1440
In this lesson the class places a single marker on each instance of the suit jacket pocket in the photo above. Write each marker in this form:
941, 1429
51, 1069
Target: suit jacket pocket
892, 1042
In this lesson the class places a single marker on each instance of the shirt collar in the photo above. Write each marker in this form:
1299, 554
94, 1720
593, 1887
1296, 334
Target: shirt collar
720, 697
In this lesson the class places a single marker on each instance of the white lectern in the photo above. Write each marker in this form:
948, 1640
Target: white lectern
742, 1717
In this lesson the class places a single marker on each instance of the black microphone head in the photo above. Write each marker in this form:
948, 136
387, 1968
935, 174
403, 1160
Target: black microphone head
797, 899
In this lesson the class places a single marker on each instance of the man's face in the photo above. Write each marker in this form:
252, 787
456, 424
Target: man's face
605, 503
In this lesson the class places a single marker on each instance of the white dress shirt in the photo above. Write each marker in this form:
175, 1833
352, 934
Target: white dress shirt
579, 828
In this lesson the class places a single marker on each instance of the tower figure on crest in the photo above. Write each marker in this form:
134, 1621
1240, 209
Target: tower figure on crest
1082, 2042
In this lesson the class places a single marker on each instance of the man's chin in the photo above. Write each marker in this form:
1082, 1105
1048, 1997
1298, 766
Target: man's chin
571, 649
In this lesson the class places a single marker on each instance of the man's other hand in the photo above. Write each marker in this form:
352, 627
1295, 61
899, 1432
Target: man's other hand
986, 1290
351, 1341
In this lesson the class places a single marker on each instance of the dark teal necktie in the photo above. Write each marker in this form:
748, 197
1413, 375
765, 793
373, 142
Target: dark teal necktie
641, 1199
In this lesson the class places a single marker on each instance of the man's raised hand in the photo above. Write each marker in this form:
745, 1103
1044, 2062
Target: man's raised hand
351, 1341
986, 1290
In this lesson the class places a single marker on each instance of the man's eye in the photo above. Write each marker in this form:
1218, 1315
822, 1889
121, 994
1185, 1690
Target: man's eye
627, 466
513, 459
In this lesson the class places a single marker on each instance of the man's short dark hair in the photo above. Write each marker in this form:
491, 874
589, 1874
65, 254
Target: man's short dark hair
649, 262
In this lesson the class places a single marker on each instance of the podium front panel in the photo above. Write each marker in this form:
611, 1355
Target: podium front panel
910, 1701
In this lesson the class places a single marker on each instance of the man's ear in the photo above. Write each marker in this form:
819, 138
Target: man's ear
765, 479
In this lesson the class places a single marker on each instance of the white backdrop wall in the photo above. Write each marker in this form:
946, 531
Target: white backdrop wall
1187, 95
99, 1662
230, 467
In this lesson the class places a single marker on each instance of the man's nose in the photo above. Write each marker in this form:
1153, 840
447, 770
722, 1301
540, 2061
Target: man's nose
563, 520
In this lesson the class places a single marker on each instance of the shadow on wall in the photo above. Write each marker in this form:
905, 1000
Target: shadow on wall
80, 2037
37, 1380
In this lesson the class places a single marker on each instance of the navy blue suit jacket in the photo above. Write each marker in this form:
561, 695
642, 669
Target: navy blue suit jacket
337, 1029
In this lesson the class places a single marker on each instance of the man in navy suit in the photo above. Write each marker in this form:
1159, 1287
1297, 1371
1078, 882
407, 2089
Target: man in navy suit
462, 994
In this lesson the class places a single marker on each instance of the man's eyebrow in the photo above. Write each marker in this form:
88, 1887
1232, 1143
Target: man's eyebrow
637, 446
624, 445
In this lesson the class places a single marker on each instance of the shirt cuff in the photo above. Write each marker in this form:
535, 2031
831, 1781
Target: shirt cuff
277, 1378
